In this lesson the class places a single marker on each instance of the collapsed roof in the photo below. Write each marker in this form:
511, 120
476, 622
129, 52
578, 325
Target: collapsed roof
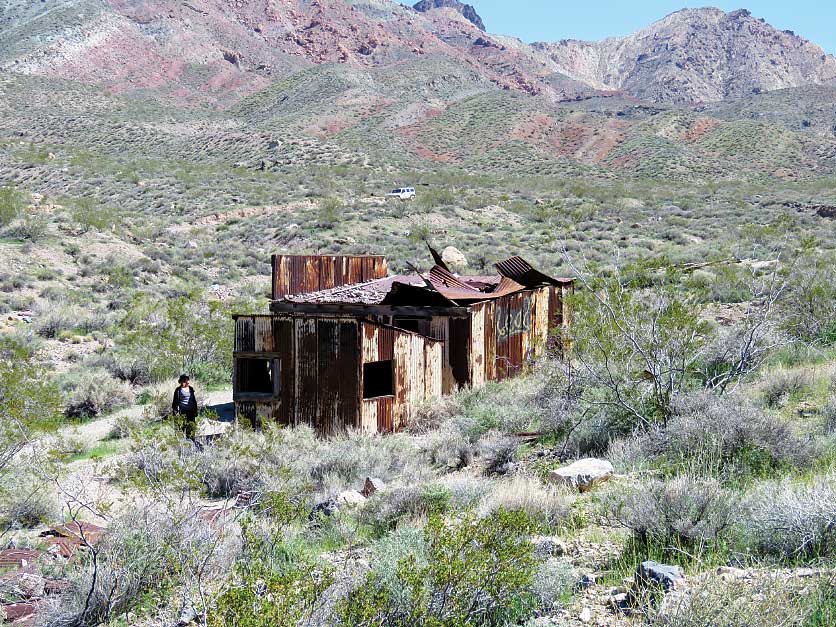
437, 288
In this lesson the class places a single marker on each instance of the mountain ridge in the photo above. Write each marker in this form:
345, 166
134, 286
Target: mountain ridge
695, 55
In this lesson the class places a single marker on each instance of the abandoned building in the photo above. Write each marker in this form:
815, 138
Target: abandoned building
348, 346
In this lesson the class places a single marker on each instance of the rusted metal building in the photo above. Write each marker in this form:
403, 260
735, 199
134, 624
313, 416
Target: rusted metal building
346, 346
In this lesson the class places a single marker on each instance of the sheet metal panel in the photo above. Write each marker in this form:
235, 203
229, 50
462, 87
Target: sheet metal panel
477, 344
329, 366
307, 371
284, 339
244, 334
302, 274
263, 334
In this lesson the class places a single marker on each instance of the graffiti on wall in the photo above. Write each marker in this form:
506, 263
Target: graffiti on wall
513, 320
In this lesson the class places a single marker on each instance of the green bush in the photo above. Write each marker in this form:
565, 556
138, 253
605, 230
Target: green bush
11, 205
477, 572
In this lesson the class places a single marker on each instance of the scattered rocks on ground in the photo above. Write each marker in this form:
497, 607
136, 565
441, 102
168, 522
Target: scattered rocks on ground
546, 546
654, 573
583, 474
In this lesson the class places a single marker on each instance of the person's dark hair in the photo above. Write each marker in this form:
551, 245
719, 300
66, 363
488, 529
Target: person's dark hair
183, 377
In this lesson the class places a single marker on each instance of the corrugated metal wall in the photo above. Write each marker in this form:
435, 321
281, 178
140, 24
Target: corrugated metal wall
508, 332
302, 274
417, 364
318, 362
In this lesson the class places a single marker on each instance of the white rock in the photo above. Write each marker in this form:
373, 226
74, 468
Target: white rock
350, 498
585, 616
582, 474
454, 258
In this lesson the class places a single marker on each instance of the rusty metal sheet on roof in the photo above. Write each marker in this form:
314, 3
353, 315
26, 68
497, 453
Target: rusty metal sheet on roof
457, 289
367, 293
524, 273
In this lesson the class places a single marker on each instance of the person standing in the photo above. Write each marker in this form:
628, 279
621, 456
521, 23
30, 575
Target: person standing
184, 406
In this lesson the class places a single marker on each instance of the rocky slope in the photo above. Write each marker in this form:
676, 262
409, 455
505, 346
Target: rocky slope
696, 55
467, 10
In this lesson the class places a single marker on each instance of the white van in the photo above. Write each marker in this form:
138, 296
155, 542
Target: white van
404, 193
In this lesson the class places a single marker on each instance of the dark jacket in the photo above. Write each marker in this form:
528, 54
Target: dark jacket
175, 404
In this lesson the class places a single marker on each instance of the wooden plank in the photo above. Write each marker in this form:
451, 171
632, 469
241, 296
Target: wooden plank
338, 309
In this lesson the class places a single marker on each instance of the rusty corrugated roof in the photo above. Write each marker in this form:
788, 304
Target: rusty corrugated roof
438, 288
519, 270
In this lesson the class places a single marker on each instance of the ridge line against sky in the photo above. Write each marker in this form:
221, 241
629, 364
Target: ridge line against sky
553, 20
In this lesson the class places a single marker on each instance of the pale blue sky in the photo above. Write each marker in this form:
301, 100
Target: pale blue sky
551, 20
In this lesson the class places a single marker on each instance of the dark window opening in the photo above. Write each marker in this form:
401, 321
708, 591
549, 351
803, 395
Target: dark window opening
407, 324
378, 379
255, 376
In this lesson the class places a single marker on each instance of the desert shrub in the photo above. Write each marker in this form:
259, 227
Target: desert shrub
448, 448
725, 436
274, 583
179, 335
347, 460
476, 573
12, 203
88, 213
683, 511
26, 502
416, 500
792, 521
54, 318
498, 453
125, 367
552, 584
149, 549
227, 471
541, 503
95, 394
766, 599
781, 385
29, 398
809, 307
29, 227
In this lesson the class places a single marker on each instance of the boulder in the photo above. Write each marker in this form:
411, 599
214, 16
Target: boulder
350, 498
454, 258
652, 573
372, 485
583, 474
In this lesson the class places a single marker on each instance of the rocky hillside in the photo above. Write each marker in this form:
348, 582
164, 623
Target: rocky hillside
218, 52
696, 55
